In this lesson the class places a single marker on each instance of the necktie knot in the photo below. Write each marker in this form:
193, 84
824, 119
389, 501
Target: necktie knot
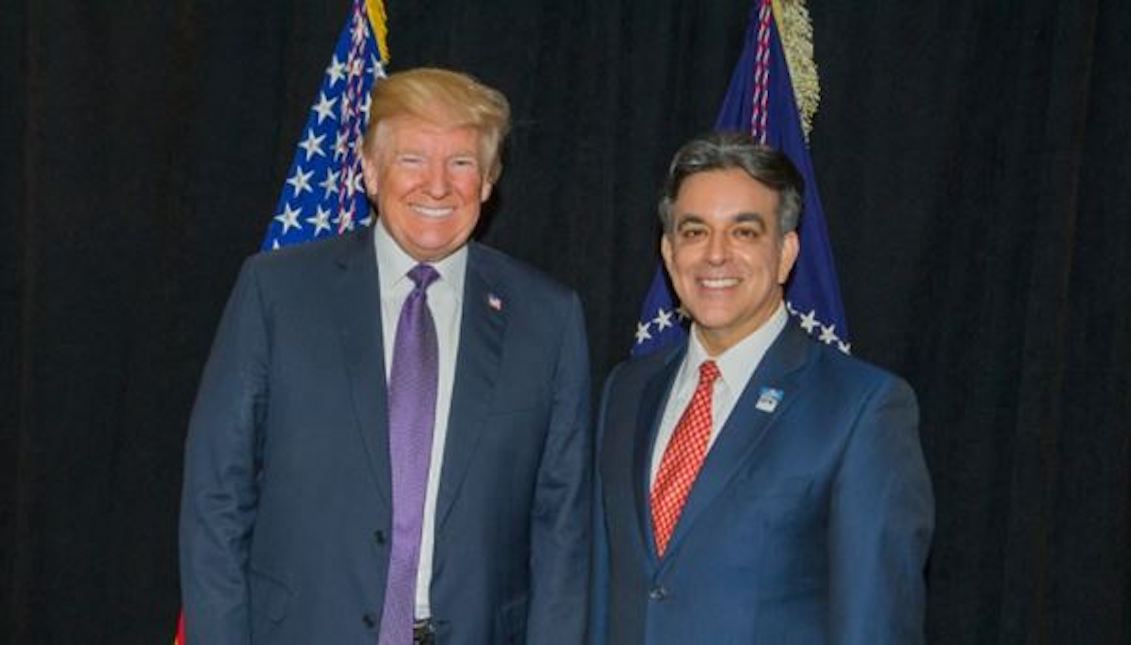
423, 275
708, 373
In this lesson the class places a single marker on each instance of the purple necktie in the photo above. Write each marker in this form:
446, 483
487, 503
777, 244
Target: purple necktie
412, 413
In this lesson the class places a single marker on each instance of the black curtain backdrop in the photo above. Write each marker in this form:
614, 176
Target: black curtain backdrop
973, 160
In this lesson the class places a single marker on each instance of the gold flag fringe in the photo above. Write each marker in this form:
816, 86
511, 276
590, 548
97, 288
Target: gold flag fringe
796, 32
378, 21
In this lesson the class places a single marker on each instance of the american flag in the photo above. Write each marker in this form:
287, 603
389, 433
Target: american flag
761, 100
323, 193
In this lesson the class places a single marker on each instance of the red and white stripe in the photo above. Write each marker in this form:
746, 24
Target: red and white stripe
760, 112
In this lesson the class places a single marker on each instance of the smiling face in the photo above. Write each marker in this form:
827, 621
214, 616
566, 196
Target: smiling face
726, 256
428, 182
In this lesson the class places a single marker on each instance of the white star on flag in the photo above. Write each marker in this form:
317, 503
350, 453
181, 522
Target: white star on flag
642, 332
289, 218
360, 31
346, 220
341, 145
365, 105
828, 334
312, 144
330, 183
324, 107
357, 68
809, 321
321, 220
300, 181
348, 182
336, 71
375, 67
663, 319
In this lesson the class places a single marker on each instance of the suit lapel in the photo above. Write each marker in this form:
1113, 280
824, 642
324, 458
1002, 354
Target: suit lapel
356, 297
482, 328
747, 425
652, 400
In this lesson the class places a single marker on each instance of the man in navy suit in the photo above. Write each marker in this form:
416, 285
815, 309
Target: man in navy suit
754, 486
342, 486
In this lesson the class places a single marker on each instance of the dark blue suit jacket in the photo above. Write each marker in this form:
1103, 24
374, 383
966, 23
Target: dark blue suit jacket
285, 515
809, 523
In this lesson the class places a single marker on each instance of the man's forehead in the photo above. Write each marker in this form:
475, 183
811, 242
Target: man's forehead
402, 129
411, 141
731, 191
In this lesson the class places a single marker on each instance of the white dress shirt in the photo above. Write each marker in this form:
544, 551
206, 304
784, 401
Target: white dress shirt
736, 366
445, 296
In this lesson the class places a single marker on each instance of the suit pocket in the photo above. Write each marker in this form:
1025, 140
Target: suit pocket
773, 504
511, 622
783, 492
269, 595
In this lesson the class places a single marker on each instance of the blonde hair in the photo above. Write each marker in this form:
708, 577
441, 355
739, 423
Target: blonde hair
445, 98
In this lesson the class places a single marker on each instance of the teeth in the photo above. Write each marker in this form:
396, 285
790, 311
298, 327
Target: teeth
433, 212
718, 283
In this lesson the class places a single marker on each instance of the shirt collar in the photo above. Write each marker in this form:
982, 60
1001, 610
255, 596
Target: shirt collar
393, 265
737, 364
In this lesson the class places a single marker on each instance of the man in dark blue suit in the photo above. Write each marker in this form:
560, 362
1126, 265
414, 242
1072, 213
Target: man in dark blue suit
391, 440
754, 486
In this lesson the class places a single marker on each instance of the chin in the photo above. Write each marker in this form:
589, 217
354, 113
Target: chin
714, 320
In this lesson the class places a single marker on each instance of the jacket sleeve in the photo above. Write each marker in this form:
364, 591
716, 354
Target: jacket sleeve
220, 495
560, 531
880, 525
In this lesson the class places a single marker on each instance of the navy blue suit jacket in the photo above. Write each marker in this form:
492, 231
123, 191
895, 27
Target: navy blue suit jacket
809, 523
286, 509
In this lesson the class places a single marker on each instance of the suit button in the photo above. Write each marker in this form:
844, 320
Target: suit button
369, 620
658, 593
379, 537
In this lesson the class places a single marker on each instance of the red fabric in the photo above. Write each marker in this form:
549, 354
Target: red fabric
683, 458
179, 639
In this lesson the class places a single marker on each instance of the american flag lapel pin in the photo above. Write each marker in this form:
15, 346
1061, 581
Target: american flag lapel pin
769, 399
494, 302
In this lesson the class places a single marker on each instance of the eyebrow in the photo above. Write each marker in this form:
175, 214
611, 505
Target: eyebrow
687, 218
418, 150
737, 218
741, 218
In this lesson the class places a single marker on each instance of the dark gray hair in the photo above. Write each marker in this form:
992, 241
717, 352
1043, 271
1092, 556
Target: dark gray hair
726, 150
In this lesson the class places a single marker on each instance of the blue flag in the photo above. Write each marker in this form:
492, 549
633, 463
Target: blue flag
323, 194
760, 101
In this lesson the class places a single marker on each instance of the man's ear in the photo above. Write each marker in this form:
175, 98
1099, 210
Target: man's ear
666, 251
369, 173
790, 247
485, 190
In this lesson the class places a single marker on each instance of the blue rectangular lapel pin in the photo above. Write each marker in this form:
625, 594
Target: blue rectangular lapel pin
769, 399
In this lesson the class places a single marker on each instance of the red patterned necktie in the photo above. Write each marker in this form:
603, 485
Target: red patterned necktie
683, 458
